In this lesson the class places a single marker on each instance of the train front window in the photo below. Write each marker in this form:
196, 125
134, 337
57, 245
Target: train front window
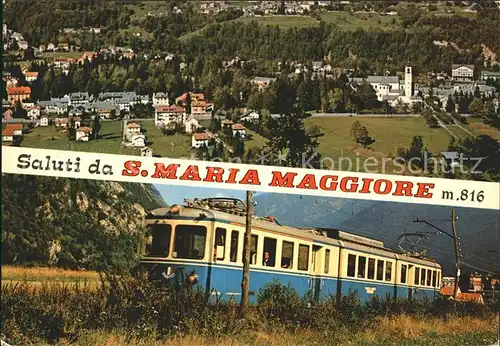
220, 243
351, 265
190, 241
371, 268
158, 243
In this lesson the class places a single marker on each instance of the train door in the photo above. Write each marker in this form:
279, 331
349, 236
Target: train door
410, 286
316, 280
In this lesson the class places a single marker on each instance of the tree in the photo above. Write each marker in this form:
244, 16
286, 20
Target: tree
188, 103
476, 107
450, 105
355, 131
96, 127
491, 117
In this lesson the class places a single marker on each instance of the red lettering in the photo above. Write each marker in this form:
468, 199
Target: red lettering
191, 173
214, 174
251, 178
282, 181
332, 186
387, 187
344, 181
423, 190
366, 185
131, 168
232, 176
169, 172
308, 182
403, 188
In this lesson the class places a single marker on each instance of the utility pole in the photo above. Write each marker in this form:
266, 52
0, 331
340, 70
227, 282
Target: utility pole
457, 256
247, 244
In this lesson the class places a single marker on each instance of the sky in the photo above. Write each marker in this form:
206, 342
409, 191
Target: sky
176, 194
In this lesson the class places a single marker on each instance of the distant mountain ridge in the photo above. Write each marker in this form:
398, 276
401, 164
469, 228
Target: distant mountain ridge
478, 229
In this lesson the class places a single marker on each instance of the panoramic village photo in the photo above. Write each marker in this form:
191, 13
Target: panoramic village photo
406, 88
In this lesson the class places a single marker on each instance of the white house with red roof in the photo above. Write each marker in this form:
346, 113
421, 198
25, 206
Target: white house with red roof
44, 121
238, 129
11, 131
200, 139
34, 112
133, 129
165, 115
83, 134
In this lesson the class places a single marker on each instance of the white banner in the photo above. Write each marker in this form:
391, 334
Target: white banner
342, 184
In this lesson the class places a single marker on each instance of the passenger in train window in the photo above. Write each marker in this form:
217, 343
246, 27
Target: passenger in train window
285, 263
267, 259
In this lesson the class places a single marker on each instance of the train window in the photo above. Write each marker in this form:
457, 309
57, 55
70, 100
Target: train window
371, 268
351, 265
422, 276
434, 278
234, 246
403, 273
327, 261
269, 255
361, 267
439, 280
189, 241
220, 243
253, 249
287, 255
380, 270
388, 271
429, 277
303, 263
416, 280
158, 244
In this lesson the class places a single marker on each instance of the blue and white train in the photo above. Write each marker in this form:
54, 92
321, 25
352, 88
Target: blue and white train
203, 241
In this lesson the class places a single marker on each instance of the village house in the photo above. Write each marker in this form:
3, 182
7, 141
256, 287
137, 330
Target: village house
18, 94
165, 115
191, 124
44, 121
55, 105
182, 100
226, 123
201, 108
11, 132
77, 122
147, 152
160, 99
448, 292
79, 99
200, 139
485, 75
28, 103
462, 73
133, 129
63, 47
34, 112
238, 130
8, 114
30, 76
262, 82
87, 56
250, 116
83, 134
23, 45
61, 123
63, 64
138, 141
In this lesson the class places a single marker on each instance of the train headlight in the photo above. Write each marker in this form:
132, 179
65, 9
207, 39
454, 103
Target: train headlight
175, 209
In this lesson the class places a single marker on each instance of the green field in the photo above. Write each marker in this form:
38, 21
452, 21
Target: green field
389, 135
51, 55
282, 21
353, 21
109, 143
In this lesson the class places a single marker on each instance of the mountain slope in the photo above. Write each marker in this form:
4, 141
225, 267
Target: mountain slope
478, 229
73, 223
